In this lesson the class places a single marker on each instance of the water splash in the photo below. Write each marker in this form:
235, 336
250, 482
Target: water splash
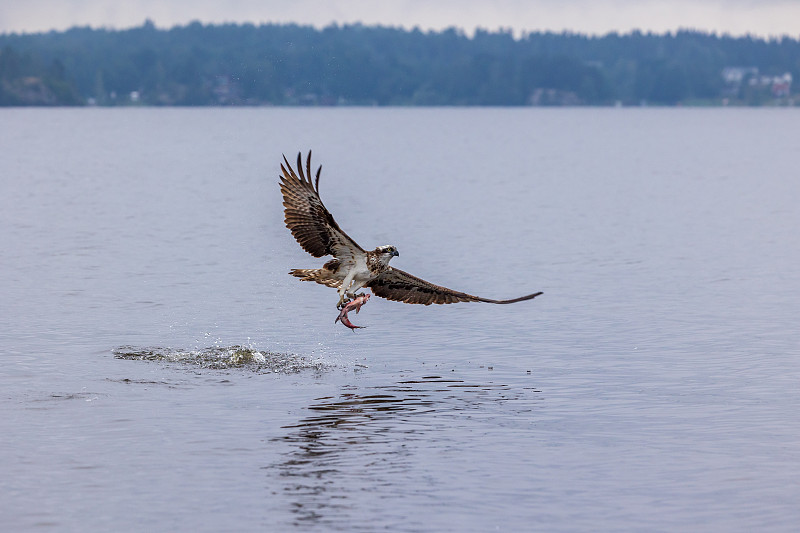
225, 357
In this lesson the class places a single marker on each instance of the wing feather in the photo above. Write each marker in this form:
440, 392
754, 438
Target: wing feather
395, 284
308, 219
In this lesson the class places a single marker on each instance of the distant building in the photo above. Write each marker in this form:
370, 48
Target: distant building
782, 85
779, 87
225, 90
553, 97
734, 78
736, 75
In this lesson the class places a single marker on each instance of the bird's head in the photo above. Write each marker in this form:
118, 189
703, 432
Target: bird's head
385, 253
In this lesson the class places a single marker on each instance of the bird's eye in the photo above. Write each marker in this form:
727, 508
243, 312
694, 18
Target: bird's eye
390, 249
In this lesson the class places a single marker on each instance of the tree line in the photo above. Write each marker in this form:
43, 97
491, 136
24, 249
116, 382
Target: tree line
288, 64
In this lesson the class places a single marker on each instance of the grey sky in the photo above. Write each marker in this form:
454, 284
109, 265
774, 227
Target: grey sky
737, 17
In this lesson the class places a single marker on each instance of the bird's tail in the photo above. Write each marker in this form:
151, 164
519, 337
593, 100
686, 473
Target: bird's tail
319, 275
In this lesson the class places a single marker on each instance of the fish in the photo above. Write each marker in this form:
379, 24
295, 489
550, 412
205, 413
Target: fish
356, 304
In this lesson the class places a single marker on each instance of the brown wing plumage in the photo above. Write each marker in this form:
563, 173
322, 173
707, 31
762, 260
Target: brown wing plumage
306, 216
395, 284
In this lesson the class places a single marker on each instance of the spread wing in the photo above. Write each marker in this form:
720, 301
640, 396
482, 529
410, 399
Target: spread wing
308, 219
395, 284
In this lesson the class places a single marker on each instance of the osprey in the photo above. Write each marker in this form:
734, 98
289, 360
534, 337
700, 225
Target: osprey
353, 268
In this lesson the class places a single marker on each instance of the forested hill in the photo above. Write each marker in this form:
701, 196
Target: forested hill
359, 65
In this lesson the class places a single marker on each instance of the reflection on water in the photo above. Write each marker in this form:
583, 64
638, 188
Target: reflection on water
361, 440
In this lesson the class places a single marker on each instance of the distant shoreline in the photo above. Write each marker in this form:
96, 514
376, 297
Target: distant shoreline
291, 65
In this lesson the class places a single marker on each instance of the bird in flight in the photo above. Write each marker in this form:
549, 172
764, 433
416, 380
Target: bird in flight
353, 268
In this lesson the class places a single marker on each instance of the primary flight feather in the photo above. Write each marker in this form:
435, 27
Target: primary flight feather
353, 268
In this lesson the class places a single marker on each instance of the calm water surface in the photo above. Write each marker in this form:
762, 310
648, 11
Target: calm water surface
655, 386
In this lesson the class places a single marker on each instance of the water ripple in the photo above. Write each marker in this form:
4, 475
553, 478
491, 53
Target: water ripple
360, 440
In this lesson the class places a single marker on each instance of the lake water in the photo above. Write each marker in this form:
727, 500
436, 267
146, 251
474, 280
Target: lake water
655, 386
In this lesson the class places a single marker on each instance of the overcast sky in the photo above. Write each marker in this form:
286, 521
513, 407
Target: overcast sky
737, 17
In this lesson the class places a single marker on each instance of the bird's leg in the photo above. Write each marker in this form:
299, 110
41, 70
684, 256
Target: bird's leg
346, 298
345, 294
354, 287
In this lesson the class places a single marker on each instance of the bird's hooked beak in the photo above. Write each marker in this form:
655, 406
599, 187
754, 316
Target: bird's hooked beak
395, 253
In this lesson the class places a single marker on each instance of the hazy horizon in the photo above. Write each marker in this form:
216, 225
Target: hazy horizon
769, 18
